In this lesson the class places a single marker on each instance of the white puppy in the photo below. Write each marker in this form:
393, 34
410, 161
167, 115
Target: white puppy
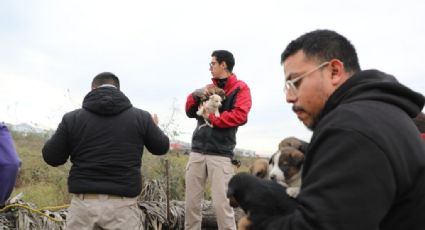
210, 106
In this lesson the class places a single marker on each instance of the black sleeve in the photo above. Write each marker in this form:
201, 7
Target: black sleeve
155, 139
192, 106
55, 150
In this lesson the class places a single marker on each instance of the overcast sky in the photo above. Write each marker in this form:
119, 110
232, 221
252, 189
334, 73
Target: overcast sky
51, 49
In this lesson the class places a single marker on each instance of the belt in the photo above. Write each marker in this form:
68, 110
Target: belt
85, 196
212, 154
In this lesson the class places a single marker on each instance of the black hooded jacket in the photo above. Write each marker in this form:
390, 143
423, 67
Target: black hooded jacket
105, 141
365, 165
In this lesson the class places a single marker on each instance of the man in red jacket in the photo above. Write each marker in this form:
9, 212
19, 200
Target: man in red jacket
212, 147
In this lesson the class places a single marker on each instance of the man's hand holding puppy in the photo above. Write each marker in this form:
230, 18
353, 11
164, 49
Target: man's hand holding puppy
205, 113
260, 199
209, 101
201, 95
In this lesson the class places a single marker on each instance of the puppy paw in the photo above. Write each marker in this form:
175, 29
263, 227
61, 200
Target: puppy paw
283, 184
208, 123
244, 223
201, 110
293, 192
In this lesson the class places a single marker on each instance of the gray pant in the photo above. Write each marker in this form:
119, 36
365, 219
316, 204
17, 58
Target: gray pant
103, 212
219, 170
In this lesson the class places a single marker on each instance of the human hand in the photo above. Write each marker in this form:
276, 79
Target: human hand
207, 92
205, 114
199, 93
203, 93
202, 111
155, 118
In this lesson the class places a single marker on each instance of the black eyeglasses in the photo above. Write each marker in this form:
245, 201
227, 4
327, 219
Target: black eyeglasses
212, 63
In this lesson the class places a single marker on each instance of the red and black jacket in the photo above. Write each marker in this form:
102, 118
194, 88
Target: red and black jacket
221, 139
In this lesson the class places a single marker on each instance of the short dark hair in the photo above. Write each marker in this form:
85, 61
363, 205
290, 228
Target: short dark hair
224, 56
324, 45
420, 122
105, 78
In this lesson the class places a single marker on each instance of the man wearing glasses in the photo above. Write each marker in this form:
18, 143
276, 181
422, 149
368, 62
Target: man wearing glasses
212, 147
365, 165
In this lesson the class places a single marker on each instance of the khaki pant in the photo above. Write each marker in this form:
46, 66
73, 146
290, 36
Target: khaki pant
98, 211
219, 170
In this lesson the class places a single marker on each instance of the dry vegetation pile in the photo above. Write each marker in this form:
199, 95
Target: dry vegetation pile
45, 186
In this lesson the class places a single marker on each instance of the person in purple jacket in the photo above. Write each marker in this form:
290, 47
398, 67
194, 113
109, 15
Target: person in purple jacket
9, 164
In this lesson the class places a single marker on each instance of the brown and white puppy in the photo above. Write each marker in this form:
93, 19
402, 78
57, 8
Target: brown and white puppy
293, 142
211, 98
285, 168
260, 168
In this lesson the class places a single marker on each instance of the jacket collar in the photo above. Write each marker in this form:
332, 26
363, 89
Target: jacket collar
374, 85
228, 82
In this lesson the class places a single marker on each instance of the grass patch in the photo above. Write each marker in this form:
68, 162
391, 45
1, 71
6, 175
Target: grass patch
44, 185
43, 194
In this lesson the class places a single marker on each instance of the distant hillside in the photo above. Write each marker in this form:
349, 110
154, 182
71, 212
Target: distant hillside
25, 128
178, 145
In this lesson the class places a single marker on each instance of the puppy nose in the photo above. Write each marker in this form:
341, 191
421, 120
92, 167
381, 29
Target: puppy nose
272, 177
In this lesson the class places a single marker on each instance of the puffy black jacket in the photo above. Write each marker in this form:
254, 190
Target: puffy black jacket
365, 165
105, 141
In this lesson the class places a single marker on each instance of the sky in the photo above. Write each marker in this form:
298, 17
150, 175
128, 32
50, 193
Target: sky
50, 50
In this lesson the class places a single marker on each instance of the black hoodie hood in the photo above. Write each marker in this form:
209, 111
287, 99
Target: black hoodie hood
106, 101
377, 86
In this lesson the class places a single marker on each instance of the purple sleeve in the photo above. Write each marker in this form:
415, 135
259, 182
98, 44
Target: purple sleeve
9, 164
